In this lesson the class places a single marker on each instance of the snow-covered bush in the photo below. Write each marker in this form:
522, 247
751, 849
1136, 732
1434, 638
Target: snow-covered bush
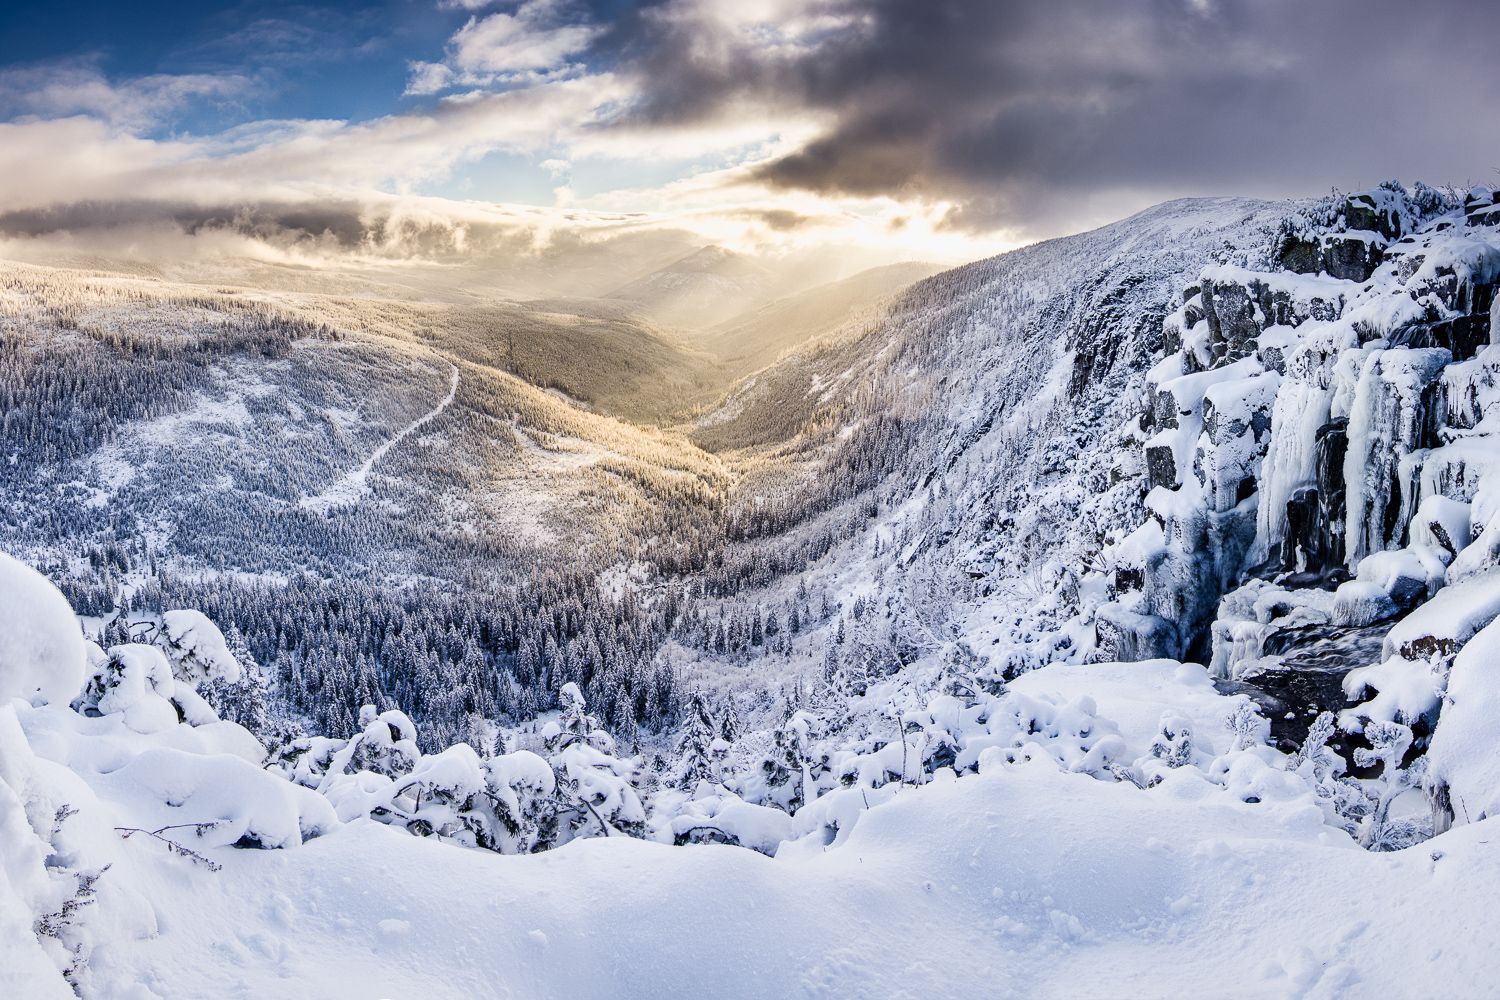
522, 796
1389, 743
1343, 801
196, 648
224, 800
717, 815
595, 792
695, 748
246, 700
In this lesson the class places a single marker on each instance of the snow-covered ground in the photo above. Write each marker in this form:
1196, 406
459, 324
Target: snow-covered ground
1024, 880
930, 816
126, 865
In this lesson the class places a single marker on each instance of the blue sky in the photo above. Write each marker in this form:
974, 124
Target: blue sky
937, 128
321, 60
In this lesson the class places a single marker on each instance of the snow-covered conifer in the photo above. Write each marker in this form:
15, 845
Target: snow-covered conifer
695, 746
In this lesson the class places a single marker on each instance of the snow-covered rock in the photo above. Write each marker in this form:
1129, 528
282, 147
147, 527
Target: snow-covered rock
42, 655
1464, 758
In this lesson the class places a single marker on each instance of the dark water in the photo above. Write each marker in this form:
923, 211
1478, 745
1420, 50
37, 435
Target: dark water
1309, 679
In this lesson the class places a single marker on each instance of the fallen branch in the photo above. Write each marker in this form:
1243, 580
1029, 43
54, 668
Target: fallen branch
126, 832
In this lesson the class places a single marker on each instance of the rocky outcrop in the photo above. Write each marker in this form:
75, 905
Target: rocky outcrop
1239, 305
1323, 474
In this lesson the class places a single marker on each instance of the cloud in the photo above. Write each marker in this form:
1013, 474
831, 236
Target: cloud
537, 40
78, 88
943, 128
59, 161
1037, 114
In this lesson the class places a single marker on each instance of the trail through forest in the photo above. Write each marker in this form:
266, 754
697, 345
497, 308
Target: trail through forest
349, 489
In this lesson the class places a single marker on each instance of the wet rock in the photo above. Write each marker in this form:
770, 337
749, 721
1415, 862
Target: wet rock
1463, 336
1314, 539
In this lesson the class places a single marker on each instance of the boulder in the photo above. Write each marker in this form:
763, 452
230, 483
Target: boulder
1349, 256
1379, 210
1301, 256
1232, 320
1239, 305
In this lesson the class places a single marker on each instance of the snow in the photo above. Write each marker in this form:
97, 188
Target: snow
759, 828
1419, 650
1134, 695
1442, 523
237, 801
1465, 750
136, 683
1023, 882
197, 648
41, 645
27, 969
1455, 614
1084, 829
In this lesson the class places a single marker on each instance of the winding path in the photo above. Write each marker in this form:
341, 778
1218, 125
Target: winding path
348, 489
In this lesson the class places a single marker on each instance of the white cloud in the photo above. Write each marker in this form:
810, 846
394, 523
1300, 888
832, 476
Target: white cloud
536, 41
506, 43
510, 88
428, 78
65, 160
58, 90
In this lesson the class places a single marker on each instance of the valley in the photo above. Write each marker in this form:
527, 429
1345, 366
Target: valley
868, 538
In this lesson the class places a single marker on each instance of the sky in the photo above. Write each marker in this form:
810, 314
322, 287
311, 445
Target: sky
935, 129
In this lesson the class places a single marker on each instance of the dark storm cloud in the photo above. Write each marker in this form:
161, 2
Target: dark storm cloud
1017, 109
782, 220
324, 226
340, 222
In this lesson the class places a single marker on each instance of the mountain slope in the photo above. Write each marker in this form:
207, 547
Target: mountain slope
704, 288
748, 343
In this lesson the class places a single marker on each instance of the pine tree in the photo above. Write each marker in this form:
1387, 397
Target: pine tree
246, 700
730, 725
695, 747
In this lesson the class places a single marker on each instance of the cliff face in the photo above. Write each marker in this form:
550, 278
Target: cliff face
1323, 468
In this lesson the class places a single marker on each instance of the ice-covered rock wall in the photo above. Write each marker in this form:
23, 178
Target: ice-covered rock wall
1322, 462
